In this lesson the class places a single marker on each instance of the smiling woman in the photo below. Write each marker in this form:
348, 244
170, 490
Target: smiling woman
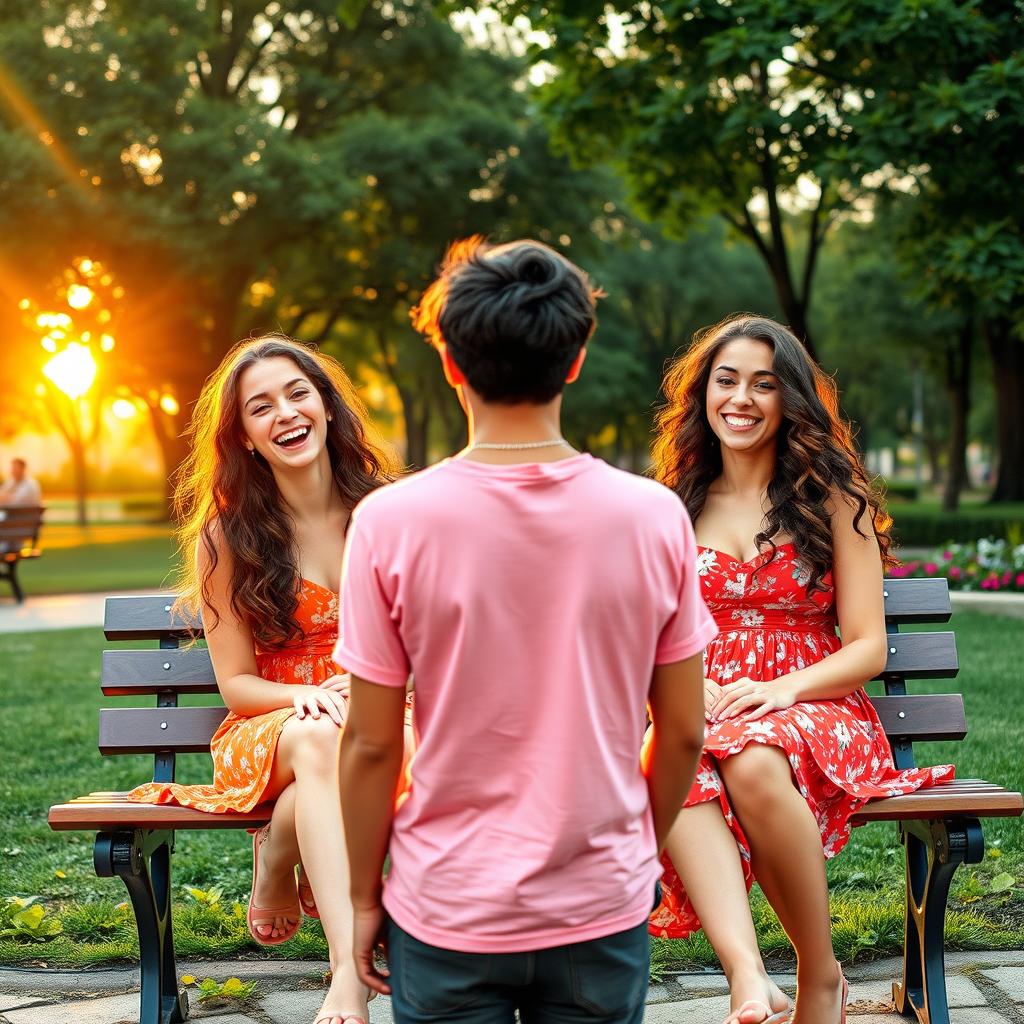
281, 453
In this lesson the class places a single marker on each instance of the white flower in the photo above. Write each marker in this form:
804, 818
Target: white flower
706, 561
749, 616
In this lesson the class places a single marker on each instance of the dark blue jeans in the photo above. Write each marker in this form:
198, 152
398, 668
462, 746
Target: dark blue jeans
596, 982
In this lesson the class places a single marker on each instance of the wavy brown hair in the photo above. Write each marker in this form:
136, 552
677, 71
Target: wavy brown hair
225, 496
816, 457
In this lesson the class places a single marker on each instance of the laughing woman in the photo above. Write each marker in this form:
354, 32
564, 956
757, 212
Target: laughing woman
281, 453
792, 543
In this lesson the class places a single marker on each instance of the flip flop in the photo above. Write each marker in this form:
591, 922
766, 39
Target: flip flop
306, 899
294, 911
346, 1018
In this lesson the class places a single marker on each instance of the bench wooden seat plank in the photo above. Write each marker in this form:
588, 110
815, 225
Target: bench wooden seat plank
976, 799
106, 810
938, 826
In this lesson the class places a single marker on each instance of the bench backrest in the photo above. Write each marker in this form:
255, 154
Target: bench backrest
19, 528
171, 671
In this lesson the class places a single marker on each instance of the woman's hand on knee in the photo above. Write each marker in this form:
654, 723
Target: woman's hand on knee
314, 702
341, 683
751, 699
712, 694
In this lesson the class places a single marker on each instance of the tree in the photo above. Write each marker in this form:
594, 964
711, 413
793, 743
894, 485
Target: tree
880, 330
950, 86
724, 109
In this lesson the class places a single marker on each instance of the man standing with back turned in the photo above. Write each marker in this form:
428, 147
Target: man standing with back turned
540, 599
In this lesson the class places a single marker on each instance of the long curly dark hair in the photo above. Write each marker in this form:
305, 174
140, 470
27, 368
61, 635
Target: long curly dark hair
815, 452
226, 496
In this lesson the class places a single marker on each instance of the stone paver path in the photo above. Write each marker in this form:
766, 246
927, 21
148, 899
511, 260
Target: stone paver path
984, 988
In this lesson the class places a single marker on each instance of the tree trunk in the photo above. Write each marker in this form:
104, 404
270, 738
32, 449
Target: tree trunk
173, 449
958, 385
416, 416
81, 472
1007, 354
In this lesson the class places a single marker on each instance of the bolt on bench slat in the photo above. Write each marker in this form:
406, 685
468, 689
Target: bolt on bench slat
146, 618
148, 730
924, 716
908, 601
921, 656
126, 673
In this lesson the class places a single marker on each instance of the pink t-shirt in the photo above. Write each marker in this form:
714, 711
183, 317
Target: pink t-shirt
530, 603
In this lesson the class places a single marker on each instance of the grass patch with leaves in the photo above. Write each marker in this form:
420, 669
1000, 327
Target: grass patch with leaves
48, 711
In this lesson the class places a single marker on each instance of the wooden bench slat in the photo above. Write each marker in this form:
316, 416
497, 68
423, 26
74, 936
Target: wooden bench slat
140, 672
925, 716
146, 730
921, 656
112, 810
952, 800
909, 601
145, 618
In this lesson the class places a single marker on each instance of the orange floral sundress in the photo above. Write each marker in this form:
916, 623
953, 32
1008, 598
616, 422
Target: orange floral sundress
243, 748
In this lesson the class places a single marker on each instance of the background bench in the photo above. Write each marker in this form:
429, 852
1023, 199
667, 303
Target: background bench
19, 538
938, 827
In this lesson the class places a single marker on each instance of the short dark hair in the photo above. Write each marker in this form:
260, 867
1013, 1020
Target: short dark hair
513, 317
19, 461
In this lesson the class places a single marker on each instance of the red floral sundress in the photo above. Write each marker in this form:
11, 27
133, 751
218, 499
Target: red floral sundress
769, 626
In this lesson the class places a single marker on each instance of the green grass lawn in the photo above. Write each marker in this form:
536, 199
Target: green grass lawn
48, 714
100, 558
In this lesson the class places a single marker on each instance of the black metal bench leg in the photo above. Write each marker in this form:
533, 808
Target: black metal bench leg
19, 594
142, 860
934, 850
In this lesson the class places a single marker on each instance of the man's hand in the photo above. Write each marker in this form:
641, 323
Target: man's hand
368, 925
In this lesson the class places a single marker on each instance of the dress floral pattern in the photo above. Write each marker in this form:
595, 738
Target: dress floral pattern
769, 626
243, 748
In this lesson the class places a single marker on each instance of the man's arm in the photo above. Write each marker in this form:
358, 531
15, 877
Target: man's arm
677, 738
369, 766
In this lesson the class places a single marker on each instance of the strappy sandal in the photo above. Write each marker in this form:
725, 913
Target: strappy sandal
306, 898
294, 911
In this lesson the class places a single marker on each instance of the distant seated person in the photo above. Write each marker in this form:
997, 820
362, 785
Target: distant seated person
20, 490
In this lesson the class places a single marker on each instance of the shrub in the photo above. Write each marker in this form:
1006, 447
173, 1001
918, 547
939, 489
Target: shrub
989, 564
925, 528
901, 490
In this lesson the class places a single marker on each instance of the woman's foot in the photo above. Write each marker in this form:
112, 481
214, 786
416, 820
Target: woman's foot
274, 914
756, 999
306, 898
345, 1003
821, 995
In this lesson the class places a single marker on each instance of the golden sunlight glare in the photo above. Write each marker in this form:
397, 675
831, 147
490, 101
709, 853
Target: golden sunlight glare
169, 404
123, 409
79, 296
73, 370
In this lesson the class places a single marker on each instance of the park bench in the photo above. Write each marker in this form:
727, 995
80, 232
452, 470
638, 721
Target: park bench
19, 538
938, 827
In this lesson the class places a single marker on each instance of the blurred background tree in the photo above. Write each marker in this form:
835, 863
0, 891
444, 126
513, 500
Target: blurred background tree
250, 166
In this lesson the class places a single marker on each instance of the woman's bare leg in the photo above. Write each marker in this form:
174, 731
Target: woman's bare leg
704, 853
785, 845
278, 855
307, 751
